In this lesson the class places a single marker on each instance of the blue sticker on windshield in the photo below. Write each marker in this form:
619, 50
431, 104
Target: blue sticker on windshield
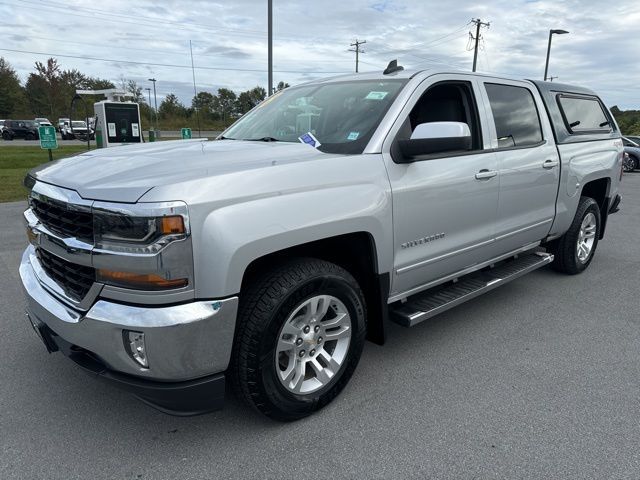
353, 136
309, 139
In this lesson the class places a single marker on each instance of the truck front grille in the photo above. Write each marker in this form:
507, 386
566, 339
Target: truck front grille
75, 280
63, 219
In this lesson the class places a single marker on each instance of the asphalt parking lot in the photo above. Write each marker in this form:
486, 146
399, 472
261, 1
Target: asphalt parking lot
538, 379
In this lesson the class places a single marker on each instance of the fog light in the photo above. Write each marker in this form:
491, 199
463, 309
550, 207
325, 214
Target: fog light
134, 344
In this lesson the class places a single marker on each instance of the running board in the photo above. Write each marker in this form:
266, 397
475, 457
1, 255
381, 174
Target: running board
432, 302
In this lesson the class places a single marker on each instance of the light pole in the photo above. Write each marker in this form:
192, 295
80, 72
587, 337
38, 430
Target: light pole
270, 47
551, 32
155, 100
148, 89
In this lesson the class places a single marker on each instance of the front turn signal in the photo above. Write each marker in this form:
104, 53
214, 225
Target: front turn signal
139, 281
172, 225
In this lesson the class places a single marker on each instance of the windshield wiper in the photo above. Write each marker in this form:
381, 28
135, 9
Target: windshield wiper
225, 138
263, 139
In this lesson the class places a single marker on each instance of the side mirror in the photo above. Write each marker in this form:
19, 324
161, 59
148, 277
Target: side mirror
436, 137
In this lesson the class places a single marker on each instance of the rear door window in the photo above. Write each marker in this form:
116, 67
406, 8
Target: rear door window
583, 114
515, 115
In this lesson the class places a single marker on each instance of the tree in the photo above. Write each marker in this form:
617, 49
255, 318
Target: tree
171, 107
133, 88
205, 103
43, 89
249, 99
281, 86
12, 100
226, 104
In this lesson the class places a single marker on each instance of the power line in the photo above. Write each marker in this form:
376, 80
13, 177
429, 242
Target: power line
169, 65
357, 49
431, 43
165, 52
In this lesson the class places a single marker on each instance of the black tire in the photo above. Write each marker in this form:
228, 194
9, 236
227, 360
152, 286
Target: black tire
264, 309
6, 136
565, 248
636, 162
629, 164
29, 136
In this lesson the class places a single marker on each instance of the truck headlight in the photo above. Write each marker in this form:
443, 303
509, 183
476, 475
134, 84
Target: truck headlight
133, 231
143, 246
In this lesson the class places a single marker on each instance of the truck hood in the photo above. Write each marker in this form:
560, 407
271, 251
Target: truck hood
125, 173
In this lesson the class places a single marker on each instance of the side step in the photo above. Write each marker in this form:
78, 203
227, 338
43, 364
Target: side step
432, 302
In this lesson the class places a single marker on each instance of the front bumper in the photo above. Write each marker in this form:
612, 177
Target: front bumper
186, 345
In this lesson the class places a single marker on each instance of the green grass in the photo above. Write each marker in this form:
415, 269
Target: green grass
15, 162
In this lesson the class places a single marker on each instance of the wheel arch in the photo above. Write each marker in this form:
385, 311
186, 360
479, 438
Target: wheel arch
357, 253
598, 189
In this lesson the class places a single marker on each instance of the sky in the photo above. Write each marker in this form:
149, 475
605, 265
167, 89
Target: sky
144, 39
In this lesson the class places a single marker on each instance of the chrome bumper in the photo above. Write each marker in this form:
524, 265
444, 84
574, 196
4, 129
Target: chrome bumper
182, 342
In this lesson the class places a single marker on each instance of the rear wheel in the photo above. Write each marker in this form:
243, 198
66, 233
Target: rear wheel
629, 163
6, 136
574, 251
29, 136
301, 330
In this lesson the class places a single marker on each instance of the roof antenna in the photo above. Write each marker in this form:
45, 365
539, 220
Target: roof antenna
393, 67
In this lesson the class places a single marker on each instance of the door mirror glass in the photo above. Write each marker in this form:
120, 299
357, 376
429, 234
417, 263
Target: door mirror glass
436, 137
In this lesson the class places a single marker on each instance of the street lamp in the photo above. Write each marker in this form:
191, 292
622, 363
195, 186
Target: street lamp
148, 89
155, 100
551, 32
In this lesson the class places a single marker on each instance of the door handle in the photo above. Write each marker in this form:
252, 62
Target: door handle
485, 174
550, 164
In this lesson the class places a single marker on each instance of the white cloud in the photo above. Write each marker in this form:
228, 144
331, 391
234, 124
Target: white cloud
312, 39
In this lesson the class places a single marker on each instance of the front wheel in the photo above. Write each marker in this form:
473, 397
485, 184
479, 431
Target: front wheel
574, 251
301, 329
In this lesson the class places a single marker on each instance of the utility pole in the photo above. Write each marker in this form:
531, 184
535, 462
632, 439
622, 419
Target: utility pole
479, 23
551, 78
148, 89
357, 50
270, 45
155, 100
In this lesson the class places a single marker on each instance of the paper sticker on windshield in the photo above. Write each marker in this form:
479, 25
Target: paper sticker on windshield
309, 139
353, 135
376, 95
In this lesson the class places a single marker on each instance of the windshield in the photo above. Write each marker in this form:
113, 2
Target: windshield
342, 116
79, 124
29, 123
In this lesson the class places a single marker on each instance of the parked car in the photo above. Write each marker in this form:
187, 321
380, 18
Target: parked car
61, 123
77, 129
26, 129
2, 125
633, 149
43, 122
269, 255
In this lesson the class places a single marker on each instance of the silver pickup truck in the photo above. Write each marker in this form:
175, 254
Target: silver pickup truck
270, 255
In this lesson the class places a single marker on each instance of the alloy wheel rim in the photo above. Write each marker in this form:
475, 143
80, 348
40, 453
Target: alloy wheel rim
313, 344
586, 237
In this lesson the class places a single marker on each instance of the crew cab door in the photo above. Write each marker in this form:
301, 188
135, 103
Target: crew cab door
528, 162
445, 204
